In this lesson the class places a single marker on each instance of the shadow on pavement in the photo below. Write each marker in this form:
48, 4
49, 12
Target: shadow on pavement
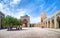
17, 30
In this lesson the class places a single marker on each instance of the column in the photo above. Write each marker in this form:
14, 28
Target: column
47, 23
55, 22
28, 24
50, 23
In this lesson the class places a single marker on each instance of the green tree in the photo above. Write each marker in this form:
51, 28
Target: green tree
20, 22
11, 21
4, 21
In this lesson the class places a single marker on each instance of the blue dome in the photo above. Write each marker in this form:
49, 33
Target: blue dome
25, 14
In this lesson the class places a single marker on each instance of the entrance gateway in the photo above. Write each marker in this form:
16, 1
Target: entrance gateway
25, 20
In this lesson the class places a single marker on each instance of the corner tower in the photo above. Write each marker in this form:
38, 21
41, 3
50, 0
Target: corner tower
43, 17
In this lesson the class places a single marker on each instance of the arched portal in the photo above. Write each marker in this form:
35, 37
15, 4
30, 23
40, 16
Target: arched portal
25, 22
59, 22
52, 23
58, 19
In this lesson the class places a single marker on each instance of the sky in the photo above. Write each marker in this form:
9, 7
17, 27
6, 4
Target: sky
33, 8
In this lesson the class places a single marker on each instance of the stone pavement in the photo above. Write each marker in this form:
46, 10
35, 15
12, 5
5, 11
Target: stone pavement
52, 29
29, 33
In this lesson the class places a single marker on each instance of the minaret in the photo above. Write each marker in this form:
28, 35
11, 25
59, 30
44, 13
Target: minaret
43, 17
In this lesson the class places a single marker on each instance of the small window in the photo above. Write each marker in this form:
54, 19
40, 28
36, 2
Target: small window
41, 20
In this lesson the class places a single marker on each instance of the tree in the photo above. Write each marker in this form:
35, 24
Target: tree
19, 22
11, 21
4, 21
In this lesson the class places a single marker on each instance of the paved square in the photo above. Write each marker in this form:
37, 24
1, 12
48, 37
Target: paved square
29, 33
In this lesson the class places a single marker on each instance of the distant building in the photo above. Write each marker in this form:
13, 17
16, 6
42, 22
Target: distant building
41, 24
37, 25
31, 25
26, 20
1, 15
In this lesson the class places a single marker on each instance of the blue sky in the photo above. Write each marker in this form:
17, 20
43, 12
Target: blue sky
34, 8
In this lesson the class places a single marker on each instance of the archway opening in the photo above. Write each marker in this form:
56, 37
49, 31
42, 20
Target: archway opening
49, 24
25, 22
58, 19
52, 23
59, 24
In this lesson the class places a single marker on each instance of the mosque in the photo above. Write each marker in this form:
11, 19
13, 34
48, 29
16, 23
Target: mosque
47, 22
26, 20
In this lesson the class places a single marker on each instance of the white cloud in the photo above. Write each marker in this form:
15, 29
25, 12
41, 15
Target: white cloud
15, 2
1, 5
52, 5
4, 9
7, 11
32, 19
20, 12
53, 9
35, 20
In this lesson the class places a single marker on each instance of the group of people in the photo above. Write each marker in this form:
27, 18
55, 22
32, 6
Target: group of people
18, 27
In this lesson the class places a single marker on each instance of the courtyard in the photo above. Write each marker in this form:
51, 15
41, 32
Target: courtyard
33, 32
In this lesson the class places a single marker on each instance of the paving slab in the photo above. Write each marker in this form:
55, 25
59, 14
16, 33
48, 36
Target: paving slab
29, 33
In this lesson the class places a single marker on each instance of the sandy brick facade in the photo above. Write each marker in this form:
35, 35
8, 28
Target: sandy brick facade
25, 20
49, 22
1, 15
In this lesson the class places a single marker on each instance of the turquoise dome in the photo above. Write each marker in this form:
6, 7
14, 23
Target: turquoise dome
25, 14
